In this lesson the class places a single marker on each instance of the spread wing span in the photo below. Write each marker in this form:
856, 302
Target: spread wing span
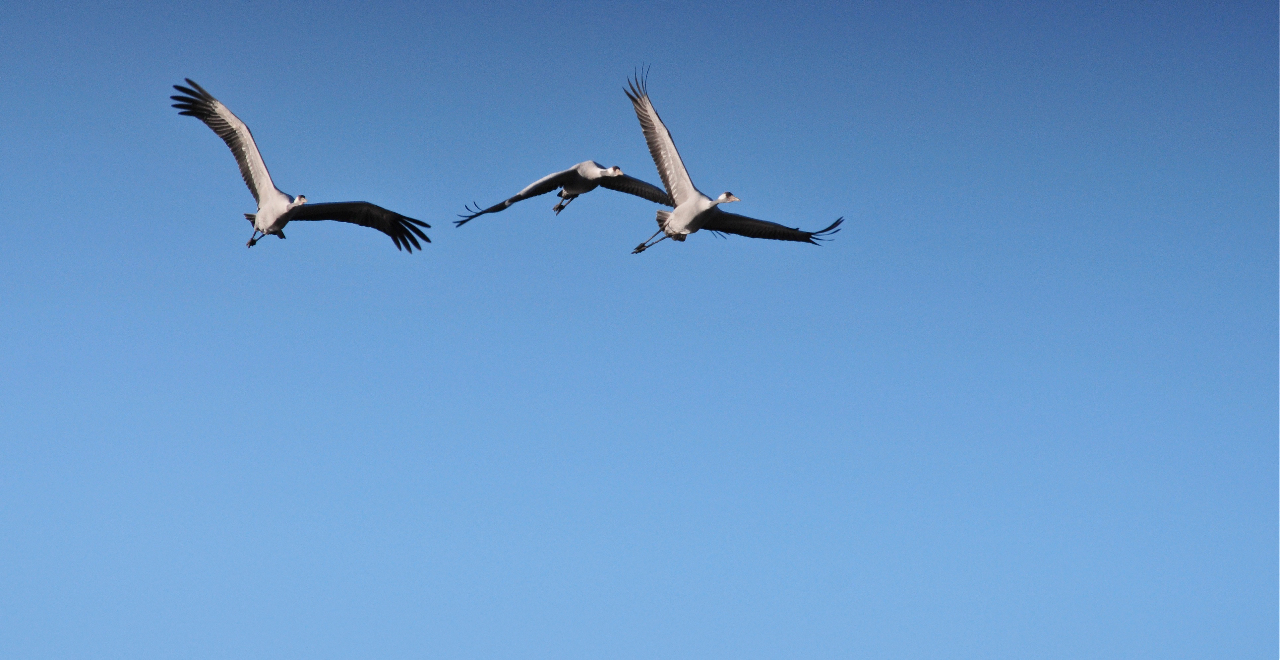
732, 223
540, 187
633, 186
198, 103
402, 230
661, 147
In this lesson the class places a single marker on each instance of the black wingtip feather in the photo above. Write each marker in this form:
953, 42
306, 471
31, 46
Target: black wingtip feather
638, 85
195, 94
204, 93
409, 233
824, 234
419, 233
471, 214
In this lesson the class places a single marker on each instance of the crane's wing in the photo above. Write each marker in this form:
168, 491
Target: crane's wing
540, 187
634, 186
732, 223
661, 146
200, 104
402, 230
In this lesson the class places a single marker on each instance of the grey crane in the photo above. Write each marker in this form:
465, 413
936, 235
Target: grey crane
694, 210
275, 208
577, 180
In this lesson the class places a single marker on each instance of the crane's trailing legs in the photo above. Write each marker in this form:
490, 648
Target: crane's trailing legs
253, 240
649, 243
565, 198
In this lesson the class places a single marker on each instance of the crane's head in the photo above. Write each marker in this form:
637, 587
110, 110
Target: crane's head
298, 201
727, 197
613, 171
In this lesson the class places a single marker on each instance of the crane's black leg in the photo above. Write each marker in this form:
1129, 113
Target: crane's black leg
253, 240
564, 201
646, 245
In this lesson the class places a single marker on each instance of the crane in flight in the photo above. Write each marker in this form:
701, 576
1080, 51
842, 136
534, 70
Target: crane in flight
275, 208
694, 210
577, 180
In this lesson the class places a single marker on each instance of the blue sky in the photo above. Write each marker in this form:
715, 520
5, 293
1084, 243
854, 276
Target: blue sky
1023, 405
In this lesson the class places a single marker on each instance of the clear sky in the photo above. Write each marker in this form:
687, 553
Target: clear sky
1023, 405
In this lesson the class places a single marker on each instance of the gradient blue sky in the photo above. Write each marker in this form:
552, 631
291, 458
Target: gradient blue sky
1024, 405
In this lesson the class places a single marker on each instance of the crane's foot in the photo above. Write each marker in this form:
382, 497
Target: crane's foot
649, 243
564, 203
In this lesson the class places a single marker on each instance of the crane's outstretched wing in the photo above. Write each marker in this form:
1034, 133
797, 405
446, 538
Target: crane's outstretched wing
661, 147
200, 104
732, 223
401, 229
540, 187
634, 186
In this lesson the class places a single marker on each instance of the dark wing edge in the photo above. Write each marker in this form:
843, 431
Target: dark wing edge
199, 103
540, 187
473, 213
404, 231
732, 223
634, 186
